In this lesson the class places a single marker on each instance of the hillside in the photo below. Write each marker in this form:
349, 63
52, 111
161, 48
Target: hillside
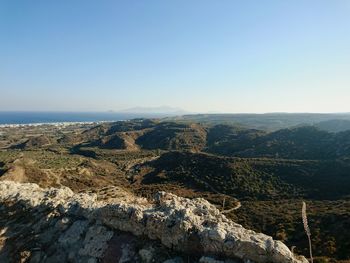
228, 139
334, 125
297, 143
262, 179
102, 134
305, 142
34, 142
174, 136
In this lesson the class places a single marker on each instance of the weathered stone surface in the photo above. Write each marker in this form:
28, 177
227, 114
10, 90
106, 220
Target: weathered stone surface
95, 242
74, 233
174, 260
178, 223
146, 255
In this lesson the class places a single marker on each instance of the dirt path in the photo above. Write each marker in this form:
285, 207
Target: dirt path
226, 211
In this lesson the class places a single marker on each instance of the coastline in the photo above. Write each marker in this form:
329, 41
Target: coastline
56, 124
24, 119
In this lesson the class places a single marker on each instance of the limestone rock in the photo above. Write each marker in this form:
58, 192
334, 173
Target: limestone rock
146, 255
174, 260
95, 242
184, 225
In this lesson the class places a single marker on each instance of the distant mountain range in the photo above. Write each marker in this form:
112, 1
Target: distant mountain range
156, 110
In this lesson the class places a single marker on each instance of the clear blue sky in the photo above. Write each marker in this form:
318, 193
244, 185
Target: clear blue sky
226, 56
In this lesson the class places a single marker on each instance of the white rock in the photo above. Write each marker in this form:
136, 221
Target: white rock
74, 233
209, 260
146, 255
95, 242
174, 260
179, 223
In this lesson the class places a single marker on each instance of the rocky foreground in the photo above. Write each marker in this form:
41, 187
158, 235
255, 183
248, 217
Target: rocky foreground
58, 225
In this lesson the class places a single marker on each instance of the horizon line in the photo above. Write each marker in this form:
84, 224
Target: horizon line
185, 112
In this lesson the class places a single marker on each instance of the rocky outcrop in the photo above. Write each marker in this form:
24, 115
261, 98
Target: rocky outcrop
85, 228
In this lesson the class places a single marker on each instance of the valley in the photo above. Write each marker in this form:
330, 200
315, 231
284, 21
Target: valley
255, 176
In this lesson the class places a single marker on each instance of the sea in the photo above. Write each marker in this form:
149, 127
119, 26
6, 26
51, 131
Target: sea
21, 117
